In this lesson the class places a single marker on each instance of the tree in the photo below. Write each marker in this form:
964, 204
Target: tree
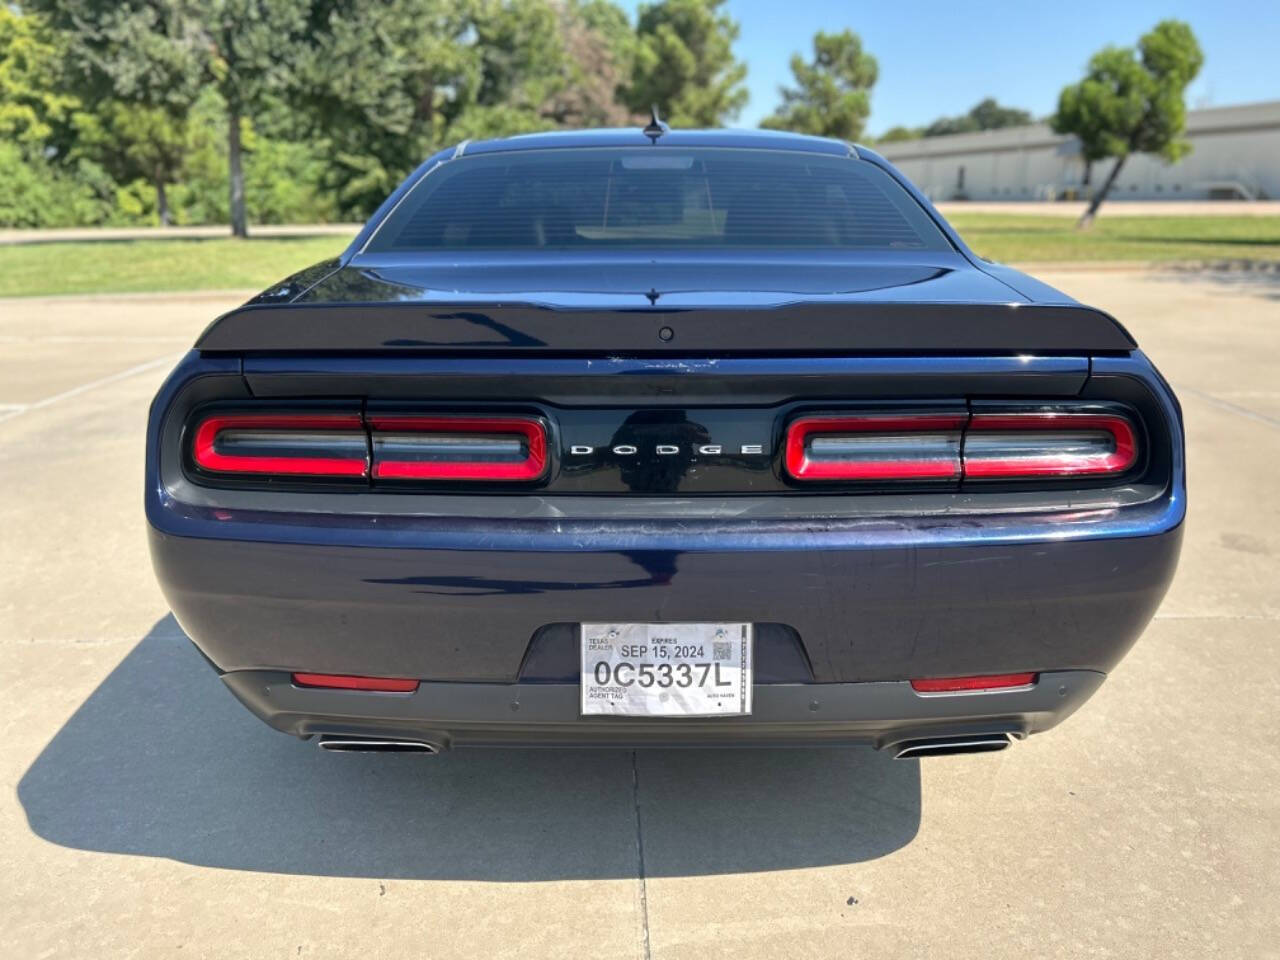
1132, 102
389, 82
520, 57
283, 170
378, 84
989, 115
599, 52
160, 54
685, 64
985, 115
900, 133
832, 95
133, 142
45, 181
243, 41
35, 110
1092, 147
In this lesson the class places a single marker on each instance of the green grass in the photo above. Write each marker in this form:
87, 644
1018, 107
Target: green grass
132, 266
1030, 239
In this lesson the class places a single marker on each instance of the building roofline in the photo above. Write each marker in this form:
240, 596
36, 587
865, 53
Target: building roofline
1209, 120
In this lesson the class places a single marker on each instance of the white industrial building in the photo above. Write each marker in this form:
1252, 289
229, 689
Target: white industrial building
1235, 155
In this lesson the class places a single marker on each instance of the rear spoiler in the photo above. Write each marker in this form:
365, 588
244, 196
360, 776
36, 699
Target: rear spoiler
807, 329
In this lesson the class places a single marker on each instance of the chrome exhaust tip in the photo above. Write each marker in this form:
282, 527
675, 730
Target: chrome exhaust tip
375, 745
946, 746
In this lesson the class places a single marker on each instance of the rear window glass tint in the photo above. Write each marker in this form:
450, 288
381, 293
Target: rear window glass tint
657, 197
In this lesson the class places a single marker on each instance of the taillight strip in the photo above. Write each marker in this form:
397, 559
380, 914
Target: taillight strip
291, 439
477, 448
1012, 445
875, 447
1048, 444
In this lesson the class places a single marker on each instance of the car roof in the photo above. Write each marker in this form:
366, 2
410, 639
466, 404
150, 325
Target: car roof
635, 137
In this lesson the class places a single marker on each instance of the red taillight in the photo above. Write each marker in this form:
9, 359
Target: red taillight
313, 444
875, 447
458, 448
1013, 445
333, 681
999, 681
1009, 446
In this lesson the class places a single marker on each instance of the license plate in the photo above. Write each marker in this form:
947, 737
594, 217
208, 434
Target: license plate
666, 669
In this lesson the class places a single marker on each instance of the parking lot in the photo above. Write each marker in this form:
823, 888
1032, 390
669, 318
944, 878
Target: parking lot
147, 814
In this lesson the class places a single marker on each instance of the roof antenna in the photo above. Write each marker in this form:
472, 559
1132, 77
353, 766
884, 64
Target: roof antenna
656, 127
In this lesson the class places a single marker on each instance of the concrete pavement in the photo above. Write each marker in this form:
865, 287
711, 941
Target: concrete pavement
146, 814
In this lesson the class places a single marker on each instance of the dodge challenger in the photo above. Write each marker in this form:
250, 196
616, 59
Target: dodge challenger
663, 437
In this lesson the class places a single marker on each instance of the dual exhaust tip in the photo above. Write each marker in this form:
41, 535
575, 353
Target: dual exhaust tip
947, 746
377, 745
925, 747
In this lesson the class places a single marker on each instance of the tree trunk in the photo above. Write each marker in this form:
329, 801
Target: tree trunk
162, 202
1086, 221
239, 224
1088, 173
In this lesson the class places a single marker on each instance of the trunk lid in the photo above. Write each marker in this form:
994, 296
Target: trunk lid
630, 305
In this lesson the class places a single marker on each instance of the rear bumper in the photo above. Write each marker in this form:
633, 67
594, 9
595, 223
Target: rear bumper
464, 606
482, 714
455, 591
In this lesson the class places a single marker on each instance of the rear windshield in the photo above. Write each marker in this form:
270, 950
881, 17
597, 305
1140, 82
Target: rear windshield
657, 197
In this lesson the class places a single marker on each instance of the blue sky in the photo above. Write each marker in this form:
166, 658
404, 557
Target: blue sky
943, 57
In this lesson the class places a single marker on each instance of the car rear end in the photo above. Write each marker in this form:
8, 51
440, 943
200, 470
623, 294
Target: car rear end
875, 510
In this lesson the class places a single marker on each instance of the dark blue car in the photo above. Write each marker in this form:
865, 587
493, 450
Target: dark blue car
663, 438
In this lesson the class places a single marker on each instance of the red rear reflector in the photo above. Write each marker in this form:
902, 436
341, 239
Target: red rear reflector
458, 448
1012, 445
319, 444
997, 681
339, 682
875, 447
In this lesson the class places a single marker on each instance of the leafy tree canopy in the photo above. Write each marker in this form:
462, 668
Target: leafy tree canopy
390, 82
986, 115
161, 54
35, 106
832, 95
899, 133
684, 63
118, 110
1132, 101
133, 142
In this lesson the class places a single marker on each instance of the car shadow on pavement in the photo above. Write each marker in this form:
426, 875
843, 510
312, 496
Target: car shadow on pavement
1256, 278
161, 761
